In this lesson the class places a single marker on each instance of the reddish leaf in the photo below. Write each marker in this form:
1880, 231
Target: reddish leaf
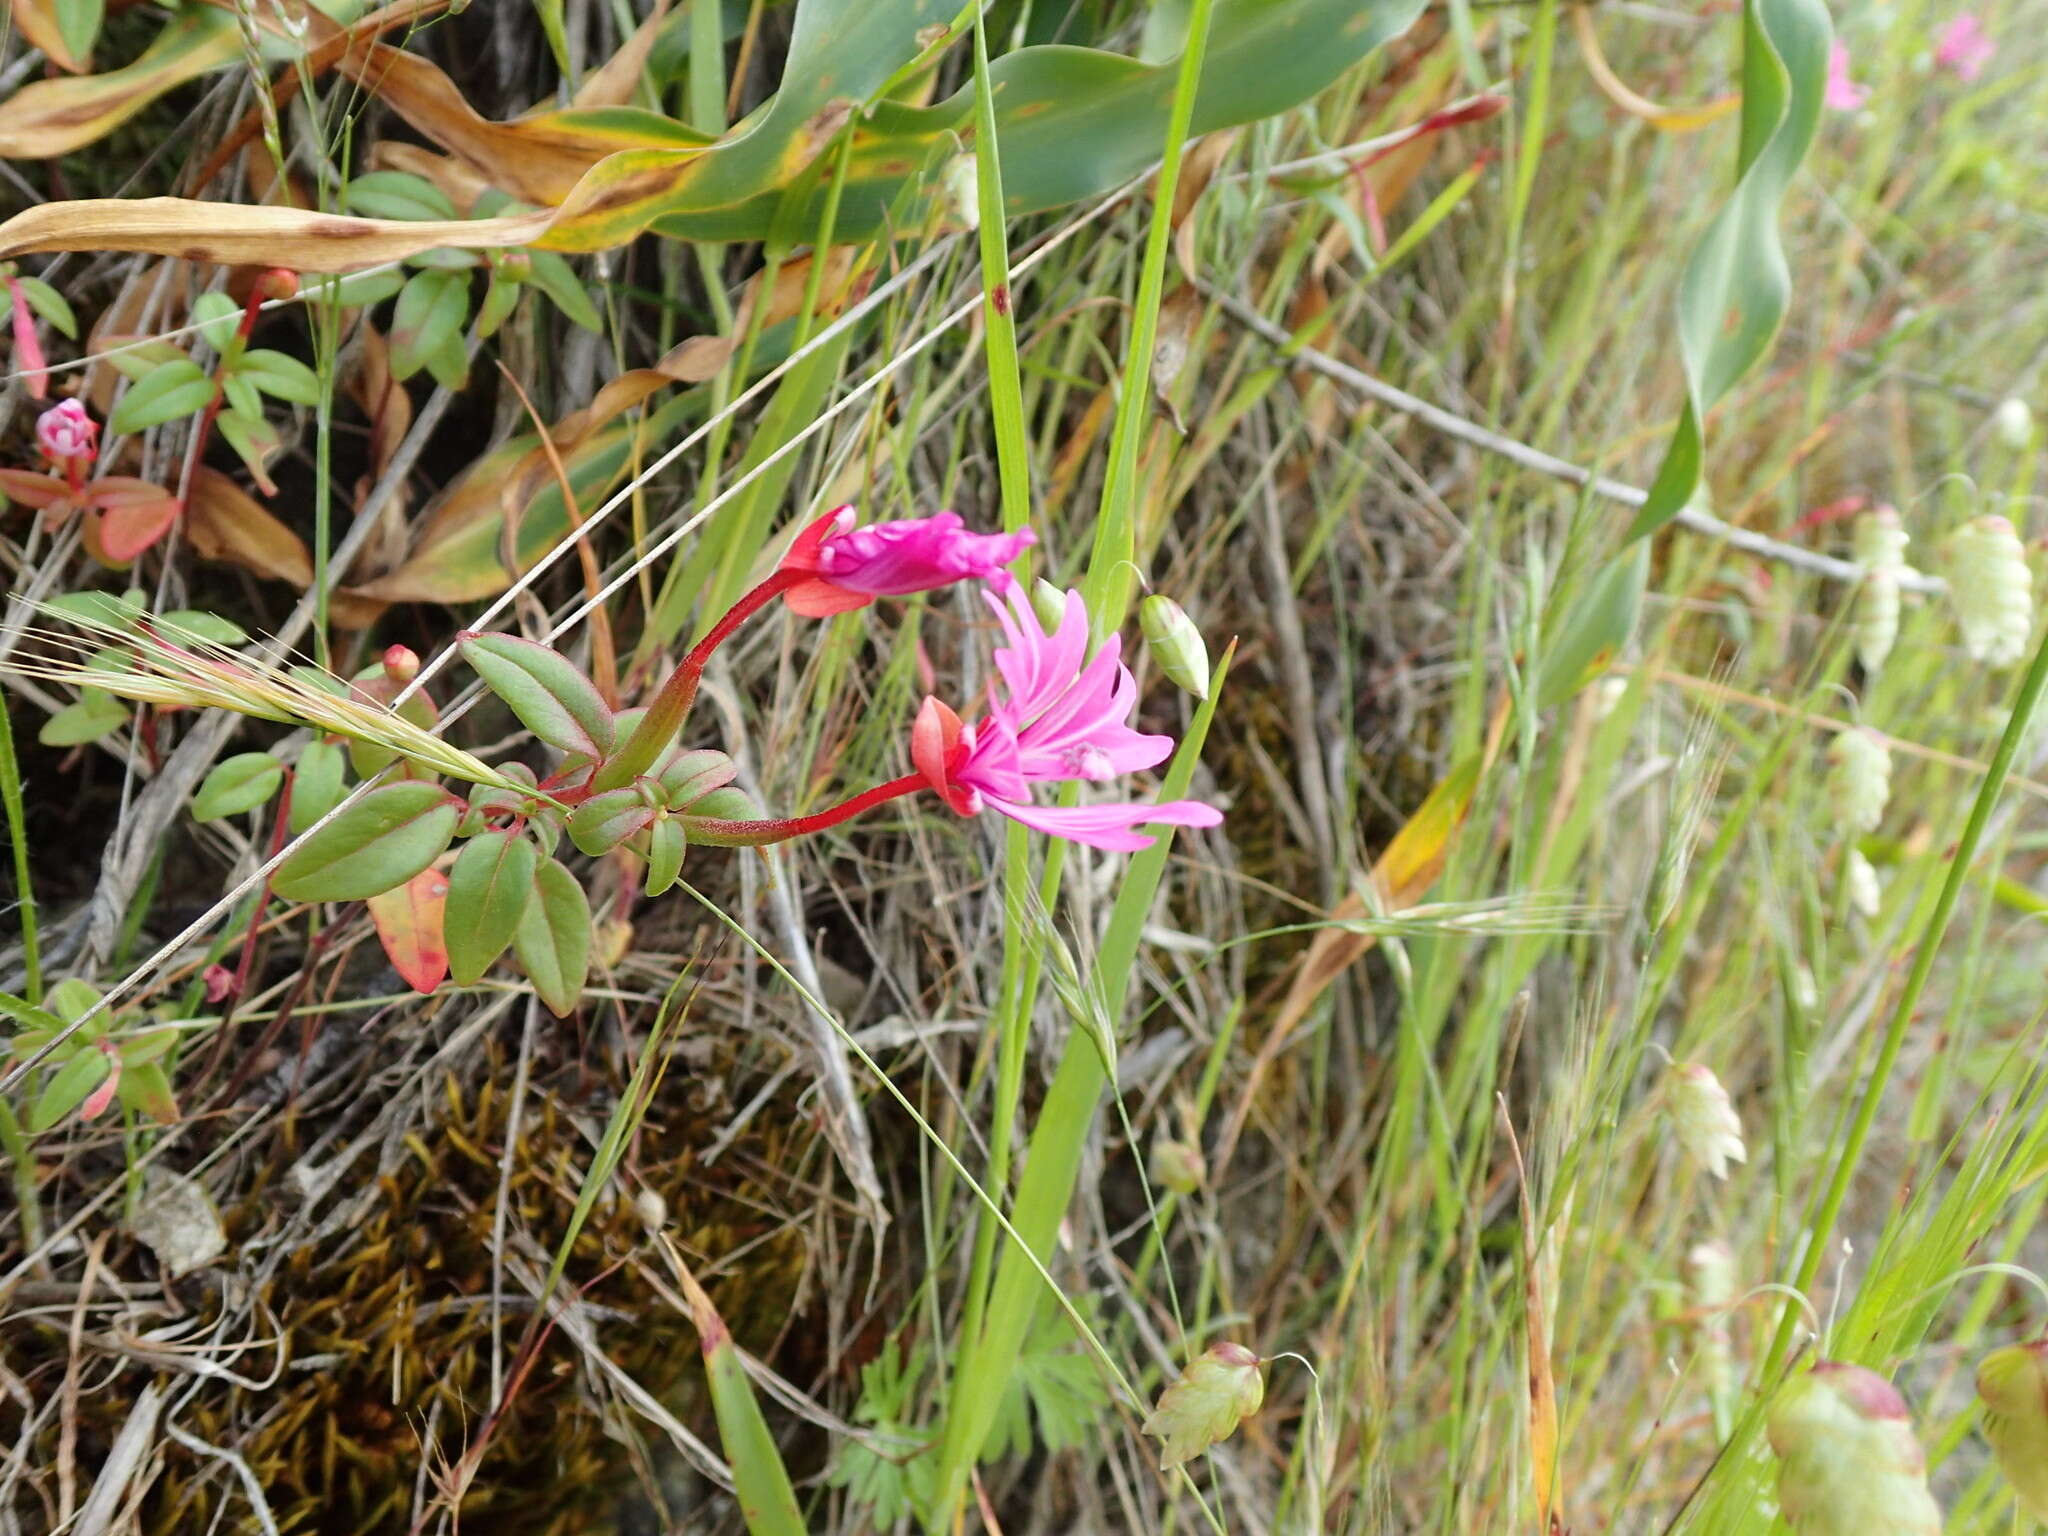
32, 489
134, 514
408, 923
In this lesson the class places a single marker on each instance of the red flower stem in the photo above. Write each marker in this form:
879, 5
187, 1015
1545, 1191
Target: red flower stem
756, 834
671, 706
284, 815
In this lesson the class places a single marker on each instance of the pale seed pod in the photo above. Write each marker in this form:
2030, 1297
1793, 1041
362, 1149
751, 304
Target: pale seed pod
1848, 1464
1175, 643
1710, 1274
1880, 548
1177, 1165
1865, 895
1991, 590
961, 187
2013, 421
1859, 779
2012, 1384
1206, 1402
1703, 1121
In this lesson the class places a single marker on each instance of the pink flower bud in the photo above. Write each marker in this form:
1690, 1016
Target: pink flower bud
66, 434
1848, 1464
401, 664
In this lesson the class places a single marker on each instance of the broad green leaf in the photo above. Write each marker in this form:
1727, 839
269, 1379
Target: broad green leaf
316, 784
198, 624
501, 297
145, 1088
100, 607
549, 693
237, 784
665, 846
688, 777
605, 820
396, 195
1737, 286
54, 308
68, 1088
409, 922
358, 290
71, 998
430, 313
488, 892
218, 318
553, 276
553, 939
279, 374
95, 714
1602, 617
383, 840
79, 21
166, 393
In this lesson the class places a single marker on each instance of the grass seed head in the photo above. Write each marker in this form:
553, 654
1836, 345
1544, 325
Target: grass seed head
1991, 590
1217, 1391
1860, 876
2012, 1384
1880, 548
1703, 1120
1848, 1464
1859, 779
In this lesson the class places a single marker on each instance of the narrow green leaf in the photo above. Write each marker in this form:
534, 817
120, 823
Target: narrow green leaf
549, 693
489, 890
316, 784
237, 784
665, 845
380, 842
279, 374
47, 302
68, 1088
26, 1013
553, 939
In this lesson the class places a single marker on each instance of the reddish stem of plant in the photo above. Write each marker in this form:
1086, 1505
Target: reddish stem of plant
284, 812
671, 706
757, 834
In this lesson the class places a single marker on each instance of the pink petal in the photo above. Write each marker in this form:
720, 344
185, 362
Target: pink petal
28, 349
1111, 827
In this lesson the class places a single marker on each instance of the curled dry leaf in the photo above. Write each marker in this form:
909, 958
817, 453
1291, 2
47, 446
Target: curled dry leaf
48, 118
224, 522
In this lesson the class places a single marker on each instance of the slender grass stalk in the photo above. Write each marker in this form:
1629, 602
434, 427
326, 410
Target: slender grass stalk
17, 839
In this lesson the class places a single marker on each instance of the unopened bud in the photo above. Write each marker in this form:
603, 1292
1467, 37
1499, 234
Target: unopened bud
652, 1209
1178, 1165
1175, 643
1702, 1119
1991, 590
2012, 1384
1206, 1403
1880, 548
220, 983
1858, 874
401, 664
67, 435
278, 283
2013, 421
1049, 603
1859, 779
1848, 1464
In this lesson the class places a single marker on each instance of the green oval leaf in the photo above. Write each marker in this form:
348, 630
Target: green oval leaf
218, 318
382, 841
665, 845
549, 693
168, 392
68, 1088
316, 784
689, 776
606, 820
429, 316
489, 890
94, 715
553, 939
146, 1089
238, 784
279, 374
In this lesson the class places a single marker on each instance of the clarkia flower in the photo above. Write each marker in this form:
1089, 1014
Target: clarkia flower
1843, 94
67, 435
843, 567
1965, 47
1058, 717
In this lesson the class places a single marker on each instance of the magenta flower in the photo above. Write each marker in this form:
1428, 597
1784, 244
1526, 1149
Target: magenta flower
65, 433
1965, 47
1843, 94
1058, 718
29, 360
841, 567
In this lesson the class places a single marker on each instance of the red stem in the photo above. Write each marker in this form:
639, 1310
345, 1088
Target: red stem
250, 311
756, 834
671, 706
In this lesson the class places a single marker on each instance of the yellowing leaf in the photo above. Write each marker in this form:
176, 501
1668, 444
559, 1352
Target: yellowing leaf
47, 118
1216, 1391
409, 926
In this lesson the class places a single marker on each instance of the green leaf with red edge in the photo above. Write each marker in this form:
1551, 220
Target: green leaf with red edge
146, 1089
254, 440
688, 777
604, 821
68, 1088
410, 921
167, 392
134, 514
379, 843
553, 939
549, 693
488, 892
237, 784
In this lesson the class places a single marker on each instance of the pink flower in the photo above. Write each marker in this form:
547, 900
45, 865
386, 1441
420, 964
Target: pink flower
1063, 718
844, 567
28, 349
1843, 94
1965, 47
65, 432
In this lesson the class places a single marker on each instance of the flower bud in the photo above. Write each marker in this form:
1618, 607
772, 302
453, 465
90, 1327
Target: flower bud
1880, 548
1049, 603
1206, 1403
1710, 1276
401, 664
66, 434
651, 1208
1177, 1165
1859, 779
1848, 1464
1991, 590
2012, 1384
1865, 895
2013, 421
1175, 643
1705, 1124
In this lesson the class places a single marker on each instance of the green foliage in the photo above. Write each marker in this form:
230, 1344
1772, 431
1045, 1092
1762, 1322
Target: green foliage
553, 938
383, 840
489, 890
